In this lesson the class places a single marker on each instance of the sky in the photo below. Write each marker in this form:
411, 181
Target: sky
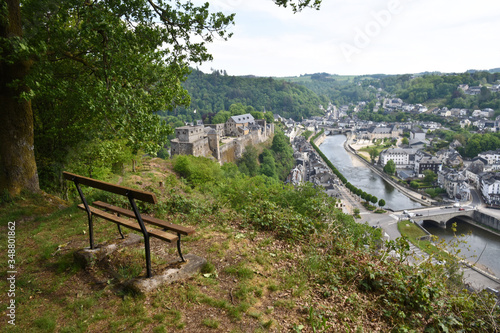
357, 37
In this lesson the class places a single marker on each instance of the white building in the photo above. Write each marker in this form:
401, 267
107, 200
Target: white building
402, 157
492, 156
490, 187
464, 123
296, 176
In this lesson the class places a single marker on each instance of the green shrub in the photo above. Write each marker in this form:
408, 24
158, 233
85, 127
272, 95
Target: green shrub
197, 170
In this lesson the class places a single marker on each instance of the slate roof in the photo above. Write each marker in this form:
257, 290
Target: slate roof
244, 118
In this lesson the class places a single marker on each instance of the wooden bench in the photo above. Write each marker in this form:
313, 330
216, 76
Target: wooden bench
141, 223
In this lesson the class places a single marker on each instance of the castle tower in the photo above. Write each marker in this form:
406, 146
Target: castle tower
213, 143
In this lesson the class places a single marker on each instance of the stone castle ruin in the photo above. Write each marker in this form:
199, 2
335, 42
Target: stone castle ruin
224, 142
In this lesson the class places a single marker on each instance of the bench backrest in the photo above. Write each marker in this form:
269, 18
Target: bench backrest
121, 190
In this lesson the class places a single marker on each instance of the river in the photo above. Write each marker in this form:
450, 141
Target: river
475, 243
362, 177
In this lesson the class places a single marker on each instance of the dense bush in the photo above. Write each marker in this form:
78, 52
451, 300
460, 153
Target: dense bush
197, 170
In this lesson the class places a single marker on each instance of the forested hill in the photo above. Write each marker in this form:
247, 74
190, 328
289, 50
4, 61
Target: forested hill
436, 89
211, 93
300, 97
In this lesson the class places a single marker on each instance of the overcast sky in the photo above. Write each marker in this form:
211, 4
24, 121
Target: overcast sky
358, 37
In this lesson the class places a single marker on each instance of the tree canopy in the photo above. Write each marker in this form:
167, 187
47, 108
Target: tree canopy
299, 4
80, 71
390, 167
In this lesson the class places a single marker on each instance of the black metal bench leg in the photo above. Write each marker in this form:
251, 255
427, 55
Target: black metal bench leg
91, 232
179, 247
144, 232
89, 214
148, 256
120, 231
119, 228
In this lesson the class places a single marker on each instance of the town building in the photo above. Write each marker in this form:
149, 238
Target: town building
474, 169
425, 162
382, 133
455, 184
450, 157
490, 187
402, 157
492, 156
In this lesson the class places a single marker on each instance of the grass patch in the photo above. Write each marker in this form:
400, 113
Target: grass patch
45, 324
410, 230
211, 323
414, 234
240, 270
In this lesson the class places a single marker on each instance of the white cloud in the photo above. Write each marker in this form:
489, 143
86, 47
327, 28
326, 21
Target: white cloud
389, 36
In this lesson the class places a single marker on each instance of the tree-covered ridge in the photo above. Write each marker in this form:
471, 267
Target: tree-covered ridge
427, 87
215, 92
338, 89
437, 88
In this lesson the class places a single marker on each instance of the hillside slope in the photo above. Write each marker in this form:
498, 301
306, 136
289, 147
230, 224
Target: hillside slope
279, 260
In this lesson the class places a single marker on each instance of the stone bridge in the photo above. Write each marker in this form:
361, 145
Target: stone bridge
469, 215
441, 219
336, 130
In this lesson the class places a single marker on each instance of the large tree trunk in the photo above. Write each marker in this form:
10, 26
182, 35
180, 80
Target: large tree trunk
17, 156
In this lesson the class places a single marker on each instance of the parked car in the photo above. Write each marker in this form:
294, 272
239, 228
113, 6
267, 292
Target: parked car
419, 214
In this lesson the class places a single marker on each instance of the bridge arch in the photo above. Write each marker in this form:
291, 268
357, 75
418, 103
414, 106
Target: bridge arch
444, 220
441, 224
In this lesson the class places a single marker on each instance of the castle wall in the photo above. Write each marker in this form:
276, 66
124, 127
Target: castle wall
232, 151
189, 133
197, 148
228, 152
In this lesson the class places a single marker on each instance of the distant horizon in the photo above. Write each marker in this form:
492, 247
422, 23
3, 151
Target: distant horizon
491, 70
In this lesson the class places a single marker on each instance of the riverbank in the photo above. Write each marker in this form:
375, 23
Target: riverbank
320, 139
356, 157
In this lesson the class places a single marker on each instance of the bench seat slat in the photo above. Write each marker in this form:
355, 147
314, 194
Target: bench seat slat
146, 218
131, 224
